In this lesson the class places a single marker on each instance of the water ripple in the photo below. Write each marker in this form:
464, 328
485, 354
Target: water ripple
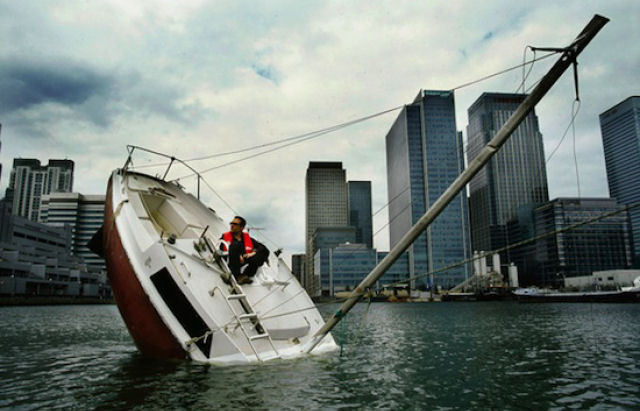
404, 356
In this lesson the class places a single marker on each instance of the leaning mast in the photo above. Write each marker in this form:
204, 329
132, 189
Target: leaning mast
569, 56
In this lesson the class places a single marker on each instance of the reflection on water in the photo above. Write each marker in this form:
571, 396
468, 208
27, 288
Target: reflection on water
409, 356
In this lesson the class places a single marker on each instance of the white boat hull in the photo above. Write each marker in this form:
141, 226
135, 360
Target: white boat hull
169, 285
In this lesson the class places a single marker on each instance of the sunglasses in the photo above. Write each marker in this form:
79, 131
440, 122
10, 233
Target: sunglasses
232, 223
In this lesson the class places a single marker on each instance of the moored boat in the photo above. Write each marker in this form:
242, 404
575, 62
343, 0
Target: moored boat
533, 294
175, 291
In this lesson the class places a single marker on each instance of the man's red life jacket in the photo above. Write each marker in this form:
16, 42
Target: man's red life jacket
248, 244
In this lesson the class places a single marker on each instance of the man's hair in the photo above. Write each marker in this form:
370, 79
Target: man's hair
243, 222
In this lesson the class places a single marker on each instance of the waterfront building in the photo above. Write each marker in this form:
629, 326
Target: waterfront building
398, 272
326, 204
329, 236
85, 215
360, 215
620, 128
344, 266
30, 180
0, 149
424, 156
604, 280
36, 259
516, 175
597, 246
297, 266
522, 227
325, 239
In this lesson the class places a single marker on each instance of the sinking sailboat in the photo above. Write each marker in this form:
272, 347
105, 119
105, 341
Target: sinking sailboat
175, 291
161, 246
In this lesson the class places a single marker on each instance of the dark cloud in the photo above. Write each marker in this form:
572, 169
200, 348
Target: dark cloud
90, 95
25, 84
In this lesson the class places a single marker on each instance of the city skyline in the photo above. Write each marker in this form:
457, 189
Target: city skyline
620, 127
30, 181
326, 205
424, 156
515, 177
186, 100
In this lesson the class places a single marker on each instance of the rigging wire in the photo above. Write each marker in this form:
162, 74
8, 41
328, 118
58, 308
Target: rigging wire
531, 87
300, 139
522, 85
283, 143
574, 112
259, 233
310, 135
391, 201
523, 242
575, 155
483, 255
525, 76
504, 71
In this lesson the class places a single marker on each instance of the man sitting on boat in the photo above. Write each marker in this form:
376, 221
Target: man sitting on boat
245, 254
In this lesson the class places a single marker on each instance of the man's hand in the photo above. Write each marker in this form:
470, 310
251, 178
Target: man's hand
245, 256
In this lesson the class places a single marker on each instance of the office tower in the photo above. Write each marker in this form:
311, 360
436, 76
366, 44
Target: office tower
597, 246
0, 149
519, 229
514, 177
424, 156
297, 266
84, 213
29, 181
398, 272
326, 204
620, 127
343, 266
325, 239
360, 211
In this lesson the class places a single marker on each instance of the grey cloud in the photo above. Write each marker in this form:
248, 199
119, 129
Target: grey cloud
24, 85
91, 95
268, 73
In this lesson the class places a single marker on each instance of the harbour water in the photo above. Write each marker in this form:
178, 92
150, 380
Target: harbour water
499, 355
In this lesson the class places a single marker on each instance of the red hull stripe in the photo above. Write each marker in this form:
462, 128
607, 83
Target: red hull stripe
150, 334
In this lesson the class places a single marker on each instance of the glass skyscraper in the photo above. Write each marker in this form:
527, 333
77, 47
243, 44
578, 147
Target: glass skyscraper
324, 239
620, 127
326, 205
424, 156
601, 245
360, 211
344, 266
516, 176
297, 265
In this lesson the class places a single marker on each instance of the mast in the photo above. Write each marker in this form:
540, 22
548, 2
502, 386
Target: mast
569, 56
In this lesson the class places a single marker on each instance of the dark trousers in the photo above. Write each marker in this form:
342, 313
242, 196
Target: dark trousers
253, 263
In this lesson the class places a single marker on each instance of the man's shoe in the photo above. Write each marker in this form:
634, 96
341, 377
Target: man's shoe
243, 279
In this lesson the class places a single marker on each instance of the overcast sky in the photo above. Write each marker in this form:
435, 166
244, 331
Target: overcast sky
81, 80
